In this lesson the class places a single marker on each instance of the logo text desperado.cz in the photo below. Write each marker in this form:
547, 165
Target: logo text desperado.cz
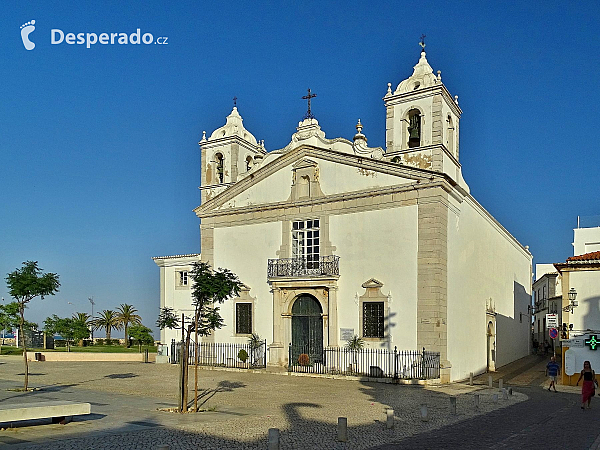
58, 37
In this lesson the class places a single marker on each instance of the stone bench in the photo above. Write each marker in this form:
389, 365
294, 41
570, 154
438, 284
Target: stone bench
59, 411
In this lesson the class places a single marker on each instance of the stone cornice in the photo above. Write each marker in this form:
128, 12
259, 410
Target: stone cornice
430, 91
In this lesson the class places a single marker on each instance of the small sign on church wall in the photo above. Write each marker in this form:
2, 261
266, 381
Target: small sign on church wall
346, 334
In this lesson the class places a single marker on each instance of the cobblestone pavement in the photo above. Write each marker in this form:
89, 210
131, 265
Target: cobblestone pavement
547, 420
240, 408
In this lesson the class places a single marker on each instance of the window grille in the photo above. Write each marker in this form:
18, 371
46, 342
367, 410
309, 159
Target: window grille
373, 320
243, 318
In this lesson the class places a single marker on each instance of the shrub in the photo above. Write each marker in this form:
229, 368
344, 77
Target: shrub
303, 359
110, 341
243, 355
99, 342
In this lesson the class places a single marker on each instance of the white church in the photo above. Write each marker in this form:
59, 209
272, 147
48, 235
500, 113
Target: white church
333, 238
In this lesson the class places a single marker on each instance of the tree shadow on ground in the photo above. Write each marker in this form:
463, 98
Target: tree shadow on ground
121, 375
223, 386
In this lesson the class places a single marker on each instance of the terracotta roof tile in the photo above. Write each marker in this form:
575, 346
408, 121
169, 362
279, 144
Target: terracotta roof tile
585, 257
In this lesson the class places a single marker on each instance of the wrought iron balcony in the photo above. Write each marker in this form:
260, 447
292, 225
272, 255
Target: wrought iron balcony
302, 267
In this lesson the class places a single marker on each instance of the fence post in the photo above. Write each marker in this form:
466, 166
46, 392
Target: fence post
423, 364
290, 358
395, 362
265, 355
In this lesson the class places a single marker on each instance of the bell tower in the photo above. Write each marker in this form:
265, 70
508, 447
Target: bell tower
227, 155
422, 122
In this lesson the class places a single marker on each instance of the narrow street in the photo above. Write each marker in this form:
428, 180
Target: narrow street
547, 420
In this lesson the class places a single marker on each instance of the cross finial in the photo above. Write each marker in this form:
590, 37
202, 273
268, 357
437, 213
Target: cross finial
310, 95
234, 101
422, 43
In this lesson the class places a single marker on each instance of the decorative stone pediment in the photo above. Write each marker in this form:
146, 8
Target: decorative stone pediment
304, 163
372, 283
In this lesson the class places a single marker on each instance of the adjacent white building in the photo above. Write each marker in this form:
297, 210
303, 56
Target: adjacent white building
332, 238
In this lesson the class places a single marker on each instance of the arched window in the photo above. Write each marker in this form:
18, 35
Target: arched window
248, 163
450, 142
414, 128
220, 166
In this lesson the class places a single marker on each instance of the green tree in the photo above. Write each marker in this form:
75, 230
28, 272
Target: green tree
24, 285
208, 288
107, 320
85, 321
127, 316
9, 318
355, 344
141, 334
69, 328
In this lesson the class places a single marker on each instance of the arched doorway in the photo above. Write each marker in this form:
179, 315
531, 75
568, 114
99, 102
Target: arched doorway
307, 329
491, 348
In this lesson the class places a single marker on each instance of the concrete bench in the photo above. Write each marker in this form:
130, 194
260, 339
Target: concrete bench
59, 411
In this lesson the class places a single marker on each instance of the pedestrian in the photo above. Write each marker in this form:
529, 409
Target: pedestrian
552, 371
588, 388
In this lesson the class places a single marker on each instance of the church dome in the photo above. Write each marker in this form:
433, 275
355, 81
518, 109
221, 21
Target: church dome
233, 127
422, 77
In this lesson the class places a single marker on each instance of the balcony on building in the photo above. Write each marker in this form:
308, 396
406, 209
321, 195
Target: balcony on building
323, 266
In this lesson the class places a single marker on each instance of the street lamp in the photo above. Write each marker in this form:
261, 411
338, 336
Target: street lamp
573, 303
91, 299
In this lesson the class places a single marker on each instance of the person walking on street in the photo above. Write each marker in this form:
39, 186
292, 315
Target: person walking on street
588, 388
552, 371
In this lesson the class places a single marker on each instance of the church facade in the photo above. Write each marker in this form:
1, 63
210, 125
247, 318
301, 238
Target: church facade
333, 238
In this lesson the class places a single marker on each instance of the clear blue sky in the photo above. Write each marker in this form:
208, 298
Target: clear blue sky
99, 157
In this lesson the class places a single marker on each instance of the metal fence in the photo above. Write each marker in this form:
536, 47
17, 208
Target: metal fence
293, 267
376, 363
243, 356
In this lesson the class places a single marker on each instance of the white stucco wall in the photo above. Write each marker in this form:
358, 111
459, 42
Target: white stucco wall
586, 240
245, 250
587, 314
337, 178
381, 245
484, 265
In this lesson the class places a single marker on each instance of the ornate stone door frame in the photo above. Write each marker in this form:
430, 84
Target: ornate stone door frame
285, 292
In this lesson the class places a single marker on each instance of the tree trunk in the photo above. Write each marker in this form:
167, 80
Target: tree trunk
186, 369
126, 337
108, 334
22, 336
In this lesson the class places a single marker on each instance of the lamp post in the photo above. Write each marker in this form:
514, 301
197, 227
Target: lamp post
91, 299
573, 303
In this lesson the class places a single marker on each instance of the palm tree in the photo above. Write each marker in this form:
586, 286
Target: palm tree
107, 320
127, 315
85, 319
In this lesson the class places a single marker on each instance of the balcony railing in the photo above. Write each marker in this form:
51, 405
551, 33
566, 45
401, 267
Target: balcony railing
298, 267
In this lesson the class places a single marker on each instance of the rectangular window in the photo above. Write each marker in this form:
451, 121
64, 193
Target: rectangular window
373, 320
306, 242
243, 318
183, 278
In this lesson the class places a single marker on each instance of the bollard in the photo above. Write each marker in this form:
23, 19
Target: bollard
476, 397
453, 406
390, 419
146, 355
509, 391
495, 398
500, 384
273, 439
342, 429
490, 383
504, 394
471, 379
424, 416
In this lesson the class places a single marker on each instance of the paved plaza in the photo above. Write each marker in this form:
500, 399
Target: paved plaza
240, 407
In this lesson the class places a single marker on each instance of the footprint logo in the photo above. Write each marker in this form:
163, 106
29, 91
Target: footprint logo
26, 30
